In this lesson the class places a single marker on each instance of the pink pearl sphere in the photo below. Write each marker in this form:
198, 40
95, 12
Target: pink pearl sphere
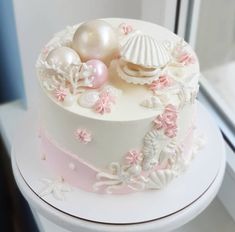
100, 73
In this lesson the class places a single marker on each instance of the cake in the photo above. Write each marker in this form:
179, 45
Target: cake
118, 106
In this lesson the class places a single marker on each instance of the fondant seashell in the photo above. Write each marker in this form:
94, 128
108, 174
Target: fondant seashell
152, 102
144, 50
88, 99
160, 178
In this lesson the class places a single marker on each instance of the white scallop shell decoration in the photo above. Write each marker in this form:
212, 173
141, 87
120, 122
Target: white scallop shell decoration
144, 50
160, 178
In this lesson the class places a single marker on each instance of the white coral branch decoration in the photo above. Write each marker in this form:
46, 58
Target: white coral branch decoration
72, 77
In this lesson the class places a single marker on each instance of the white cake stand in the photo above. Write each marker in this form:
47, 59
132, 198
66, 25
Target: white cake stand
164, 210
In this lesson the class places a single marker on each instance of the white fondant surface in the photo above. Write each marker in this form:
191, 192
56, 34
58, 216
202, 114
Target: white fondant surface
131, 208
127, 107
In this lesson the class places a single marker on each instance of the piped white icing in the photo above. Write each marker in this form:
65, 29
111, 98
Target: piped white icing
55, 187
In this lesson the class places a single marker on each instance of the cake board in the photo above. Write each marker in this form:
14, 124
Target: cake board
204, 174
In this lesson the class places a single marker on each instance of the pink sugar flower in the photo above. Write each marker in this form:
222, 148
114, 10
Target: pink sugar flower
103, 104
125, 28
134, 157
83, 135
186, 58
159, 122
160, 83
170, 114
171, 131
60, 94
167, 121
171, 108
108, 96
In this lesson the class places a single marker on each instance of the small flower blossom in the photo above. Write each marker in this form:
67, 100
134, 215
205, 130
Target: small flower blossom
83, 135
103, 104
162, 82
134, 157
60, 94
167, 121
125, 28
171, 131
186, 58
182, 56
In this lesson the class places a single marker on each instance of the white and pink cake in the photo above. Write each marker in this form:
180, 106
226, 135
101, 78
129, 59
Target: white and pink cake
117, 105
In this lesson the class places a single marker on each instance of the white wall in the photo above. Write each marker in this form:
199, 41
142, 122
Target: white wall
216, 32
38, 20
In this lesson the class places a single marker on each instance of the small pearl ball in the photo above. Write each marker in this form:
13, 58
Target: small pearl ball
63, 56
135, 170
101, 73
96, 40
68, 100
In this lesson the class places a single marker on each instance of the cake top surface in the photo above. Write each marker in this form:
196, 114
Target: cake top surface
117, 69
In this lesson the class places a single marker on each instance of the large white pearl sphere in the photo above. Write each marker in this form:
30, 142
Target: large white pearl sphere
96, 40
63, 56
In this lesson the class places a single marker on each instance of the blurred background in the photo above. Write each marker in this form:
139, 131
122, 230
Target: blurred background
26, 25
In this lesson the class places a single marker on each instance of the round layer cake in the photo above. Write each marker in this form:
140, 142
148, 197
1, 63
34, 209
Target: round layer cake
117, 105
